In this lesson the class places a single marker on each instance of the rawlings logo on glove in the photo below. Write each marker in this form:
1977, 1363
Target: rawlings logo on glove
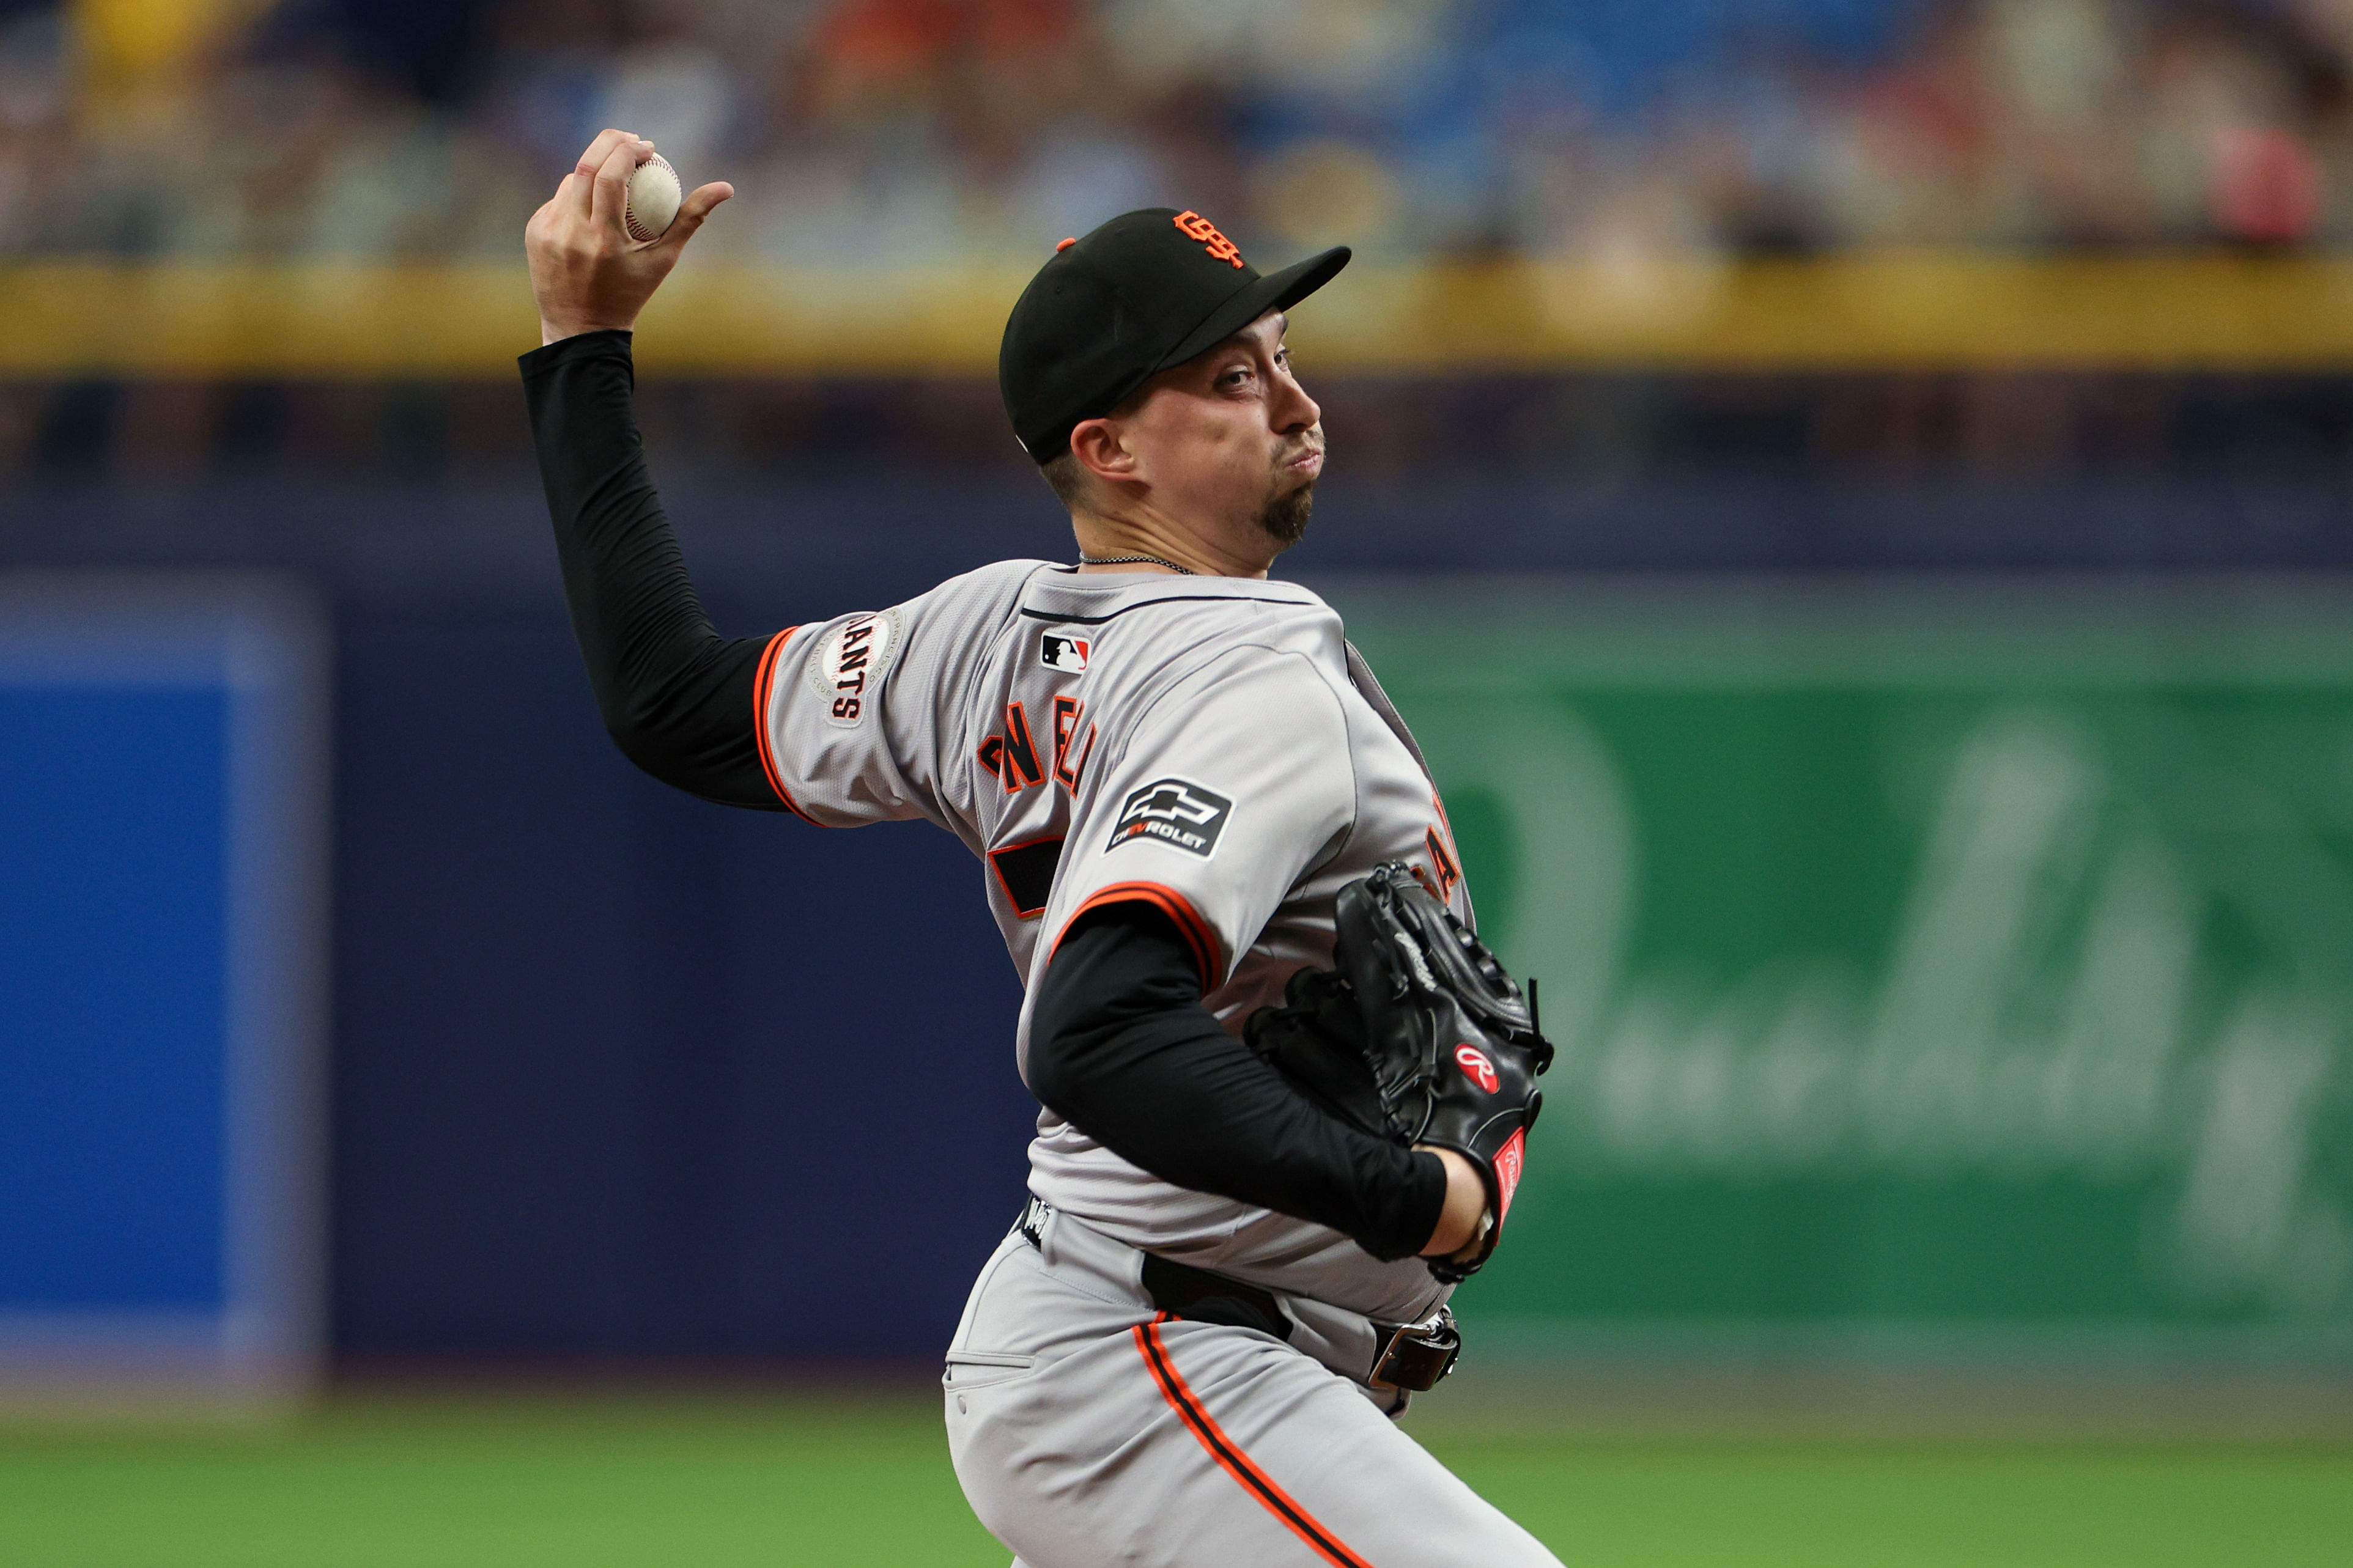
1477, 1067
1417, 1037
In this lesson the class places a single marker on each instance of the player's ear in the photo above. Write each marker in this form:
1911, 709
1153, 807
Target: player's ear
1100, 447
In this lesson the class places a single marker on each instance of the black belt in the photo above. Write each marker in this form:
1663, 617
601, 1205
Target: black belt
1405, 1355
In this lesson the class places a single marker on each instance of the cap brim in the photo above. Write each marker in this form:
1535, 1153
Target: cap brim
1276, 292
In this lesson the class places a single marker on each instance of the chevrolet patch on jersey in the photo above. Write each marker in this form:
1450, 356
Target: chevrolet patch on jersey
847, 666
1171, 812
1058, 652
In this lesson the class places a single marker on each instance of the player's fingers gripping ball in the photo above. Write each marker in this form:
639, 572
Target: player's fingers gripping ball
654, 197
1418, 1036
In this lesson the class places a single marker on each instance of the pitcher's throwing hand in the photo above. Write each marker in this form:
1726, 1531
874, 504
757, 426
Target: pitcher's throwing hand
586, 273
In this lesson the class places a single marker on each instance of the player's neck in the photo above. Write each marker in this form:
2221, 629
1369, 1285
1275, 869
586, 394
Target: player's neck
1150, 543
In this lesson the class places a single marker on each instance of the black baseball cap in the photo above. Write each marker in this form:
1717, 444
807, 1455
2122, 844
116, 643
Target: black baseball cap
1147, 290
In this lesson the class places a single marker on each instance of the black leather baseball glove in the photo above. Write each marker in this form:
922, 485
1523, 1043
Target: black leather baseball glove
1418, 1036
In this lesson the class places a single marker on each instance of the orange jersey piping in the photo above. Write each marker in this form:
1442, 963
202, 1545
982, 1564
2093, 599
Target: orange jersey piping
763, 683
1229, 1455
1199, 934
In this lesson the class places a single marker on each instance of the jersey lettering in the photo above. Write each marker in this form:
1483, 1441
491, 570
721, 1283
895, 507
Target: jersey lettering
1441, 863
1069, 768
1021, 769
1013, 756
1026, 872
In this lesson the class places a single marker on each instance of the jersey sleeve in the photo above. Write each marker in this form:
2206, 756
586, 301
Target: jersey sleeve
822, 696
1236, 782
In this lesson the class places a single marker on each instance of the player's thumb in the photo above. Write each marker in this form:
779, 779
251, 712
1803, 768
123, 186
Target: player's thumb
696, 208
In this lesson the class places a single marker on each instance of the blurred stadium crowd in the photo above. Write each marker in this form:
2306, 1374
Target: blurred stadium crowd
916, 132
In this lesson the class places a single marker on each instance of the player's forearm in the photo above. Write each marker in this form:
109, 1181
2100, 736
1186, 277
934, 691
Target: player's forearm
1120, 1047
675, 695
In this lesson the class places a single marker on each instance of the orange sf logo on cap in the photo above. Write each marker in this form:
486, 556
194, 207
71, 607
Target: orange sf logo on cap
1196, 226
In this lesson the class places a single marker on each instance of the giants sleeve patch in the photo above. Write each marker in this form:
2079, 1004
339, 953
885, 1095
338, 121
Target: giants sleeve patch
1171, 812
846, 667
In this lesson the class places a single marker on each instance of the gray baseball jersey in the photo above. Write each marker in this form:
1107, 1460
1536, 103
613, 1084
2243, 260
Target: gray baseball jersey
1212, 746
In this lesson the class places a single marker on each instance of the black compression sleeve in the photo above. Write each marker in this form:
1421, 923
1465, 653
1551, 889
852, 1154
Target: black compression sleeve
676, 696
1121, 1048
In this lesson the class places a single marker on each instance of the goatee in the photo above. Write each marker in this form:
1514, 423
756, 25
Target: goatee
1285, 517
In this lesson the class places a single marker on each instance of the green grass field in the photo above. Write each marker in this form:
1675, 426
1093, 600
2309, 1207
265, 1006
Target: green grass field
603, 1482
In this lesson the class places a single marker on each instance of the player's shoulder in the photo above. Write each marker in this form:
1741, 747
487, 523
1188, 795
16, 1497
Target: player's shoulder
993, 590
1150, 645
1171, 615
953, 621
1137, 633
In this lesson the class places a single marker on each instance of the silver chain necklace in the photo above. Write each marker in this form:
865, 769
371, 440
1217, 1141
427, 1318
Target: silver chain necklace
1087, 559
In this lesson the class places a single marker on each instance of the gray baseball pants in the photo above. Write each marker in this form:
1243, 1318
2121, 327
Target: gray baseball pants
1088, 1430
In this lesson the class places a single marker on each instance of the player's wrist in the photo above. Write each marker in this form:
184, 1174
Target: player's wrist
1476, 1247
555, 329
1462, 1219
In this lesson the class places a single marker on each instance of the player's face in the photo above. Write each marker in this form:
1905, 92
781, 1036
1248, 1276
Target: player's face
1231, 443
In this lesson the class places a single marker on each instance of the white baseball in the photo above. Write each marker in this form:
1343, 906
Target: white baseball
654, 196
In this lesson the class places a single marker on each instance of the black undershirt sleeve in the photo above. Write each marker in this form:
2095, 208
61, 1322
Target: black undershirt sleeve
676, 696
1121, 1047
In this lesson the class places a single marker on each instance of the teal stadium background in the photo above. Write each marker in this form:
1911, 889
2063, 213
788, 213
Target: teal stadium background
1937, 962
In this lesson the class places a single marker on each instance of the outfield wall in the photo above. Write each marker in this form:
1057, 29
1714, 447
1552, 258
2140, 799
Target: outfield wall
1950, 961
1938, 963
162, 985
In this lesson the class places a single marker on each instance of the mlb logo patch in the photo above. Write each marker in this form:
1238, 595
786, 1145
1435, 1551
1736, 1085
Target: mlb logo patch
1058, 652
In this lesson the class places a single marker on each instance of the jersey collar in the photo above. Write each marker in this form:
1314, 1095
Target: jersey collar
1061, 594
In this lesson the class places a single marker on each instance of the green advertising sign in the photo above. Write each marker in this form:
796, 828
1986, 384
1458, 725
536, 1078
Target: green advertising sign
1924, 957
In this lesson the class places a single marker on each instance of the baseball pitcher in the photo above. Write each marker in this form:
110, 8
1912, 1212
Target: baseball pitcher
1284, 1089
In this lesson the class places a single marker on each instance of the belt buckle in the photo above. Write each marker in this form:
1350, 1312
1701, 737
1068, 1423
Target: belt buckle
1032, 1223
1416, 1355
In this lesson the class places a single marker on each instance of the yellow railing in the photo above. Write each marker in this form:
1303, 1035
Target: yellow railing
1925, 311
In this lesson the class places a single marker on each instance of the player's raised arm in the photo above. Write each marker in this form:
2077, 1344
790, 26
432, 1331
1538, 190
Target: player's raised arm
675, 695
